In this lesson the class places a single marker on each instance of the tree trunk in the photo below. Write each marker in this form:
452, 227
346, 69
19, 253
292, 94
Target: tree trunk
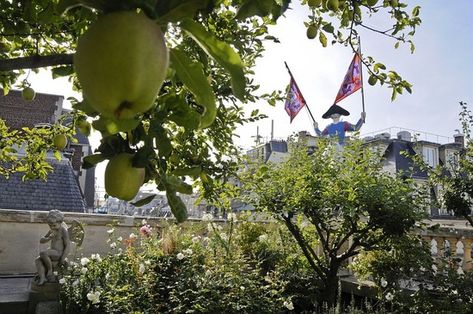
330, 287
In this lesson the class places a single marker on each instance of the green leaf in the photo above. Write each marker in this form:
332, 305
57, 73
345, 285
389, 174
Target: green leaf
251, 8
57, 155
178, 185
378, 66
328, 28
192, 75
323, 39
180, 11
144, 201
190, 171
162, 141
62, 71
92, 160
221, 52
112, 126
178, 208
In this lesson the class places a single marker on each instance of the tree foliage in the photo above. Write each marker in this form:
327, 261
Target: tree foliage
455, 176
336, 204
213, 46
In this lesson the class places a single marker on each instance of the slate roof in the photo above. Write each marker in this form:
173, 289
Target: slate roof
19, 113
396, 152
61, 191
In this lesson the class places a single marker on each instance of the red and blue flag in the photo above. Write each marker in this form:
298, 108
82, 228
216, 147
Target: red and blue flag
352, 81
294, 100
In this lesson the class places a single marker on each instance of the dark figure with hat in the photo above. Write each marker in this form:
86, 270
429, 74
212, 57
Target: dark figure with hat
337, 127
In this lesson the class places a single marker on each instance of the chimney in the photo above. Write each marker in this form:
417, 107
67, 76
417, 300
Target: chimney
459, 138
404, 135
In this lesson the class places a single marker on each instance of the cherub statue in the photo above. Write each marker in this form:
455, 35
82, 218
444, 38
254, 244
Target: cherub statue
58, 250
337, 127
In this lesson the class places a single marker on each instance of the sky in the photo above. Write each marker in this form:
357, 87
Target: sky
440, 70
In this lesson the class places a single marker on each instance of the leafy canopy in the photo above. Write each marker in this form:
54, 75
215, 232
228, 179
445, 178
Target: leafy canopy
336, 203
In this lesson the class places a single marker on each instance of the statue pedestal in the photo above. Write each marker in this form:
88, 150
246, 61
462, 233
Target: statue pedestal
44, 299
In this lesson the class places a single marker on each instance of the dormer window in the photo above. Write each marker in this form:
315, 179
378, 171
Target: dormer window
430, 155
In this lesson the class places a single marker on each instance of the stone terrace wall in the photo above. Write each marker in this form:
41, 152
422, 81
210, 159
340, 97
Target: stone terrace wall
20, 231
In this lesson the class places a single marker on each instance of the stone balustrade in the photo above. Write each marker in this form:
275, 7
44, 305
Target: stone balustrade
20, 232
453, 240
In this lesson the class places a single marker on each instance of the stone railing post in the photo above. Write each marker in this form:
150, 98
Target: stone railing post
467, 263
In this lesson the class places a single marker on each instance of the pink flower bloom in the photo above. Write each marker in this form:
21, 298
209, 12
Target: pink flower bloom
146, 230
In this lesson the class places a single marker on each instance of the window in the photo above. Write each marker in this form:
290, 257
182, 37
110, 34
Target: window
430, 156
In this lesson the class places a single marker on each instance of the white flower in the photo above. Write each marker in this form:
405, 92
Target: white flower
288, 305
195, 240
75, 283
110, 231
384, 283
96, 257
62, 281
389, 296
263, 238
455, 291
207, 217
94, 297
132, 236
188, 251
144, 222
84, 261
242, 288
55, 273
107, 276
232, 217
148, 262
113, 245
180, 256
224, 236
142, 268
120, 239
120, 250
83, 270
210, 227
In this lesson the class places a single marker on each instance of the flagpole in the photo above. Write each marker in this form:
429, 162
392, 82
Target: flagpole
361, 76
295, 83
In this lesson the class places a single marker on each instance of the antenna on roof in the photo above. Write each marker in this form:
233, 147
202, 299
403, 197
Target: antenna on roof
257, 137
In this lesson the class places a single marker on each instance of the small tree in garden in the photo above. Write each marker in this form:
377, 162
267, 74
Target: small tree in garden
336, 204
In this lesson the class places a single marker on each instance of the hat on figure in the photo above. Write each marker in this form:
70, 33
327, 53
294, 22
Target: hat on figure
335, 109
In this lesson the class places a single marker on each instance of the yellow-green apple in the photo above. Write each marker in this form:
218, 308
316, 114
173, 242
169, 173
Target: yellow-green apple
121, 62
122, 180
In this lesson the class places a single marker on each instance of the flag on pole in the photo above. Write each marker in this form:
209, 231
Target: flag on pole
352, 81
294, 100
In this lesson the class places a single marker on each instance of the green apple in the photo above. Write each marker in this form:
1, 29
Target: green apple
121, 62
122, 180
60, 141
311, 31
84, 127
314, 3
333, 5
28, 94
